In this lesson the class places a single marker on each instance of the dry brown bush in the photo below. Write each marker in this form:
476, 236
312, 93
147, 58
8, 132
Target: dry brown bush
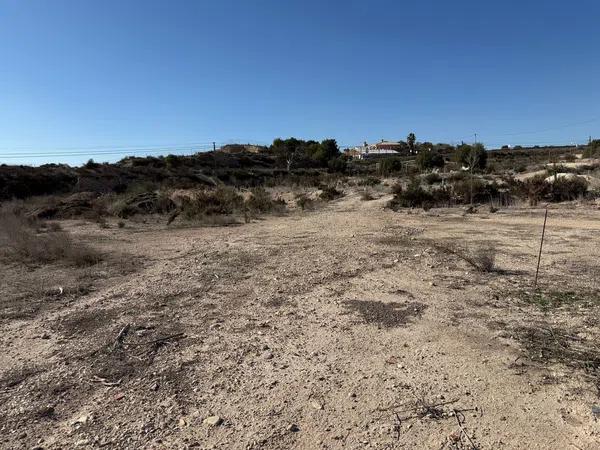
482, 258
21, 242
223, 200
261, 201
304, 202
366, 195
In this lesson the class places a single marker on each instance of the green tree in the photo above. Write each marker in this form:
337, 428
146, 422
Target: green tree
338, 164
90, 164
429, 159
388, 166
593, 149
287, 151
474, 157
330, 149
411, 139
326, 151
172, 161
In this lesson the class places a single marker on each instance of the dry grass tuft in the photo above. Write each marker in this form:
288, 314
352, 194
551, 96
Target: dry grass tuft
21, 242
366, 195
482, 258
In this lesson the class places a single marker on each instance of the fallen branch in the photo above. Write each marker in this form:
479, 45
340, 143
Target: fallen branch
121, 336
458, 414
398, 426
161, 340
105, 382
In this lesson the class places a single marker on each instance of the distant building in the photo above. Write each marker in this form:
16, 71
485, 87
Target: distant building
380, 149
388, 145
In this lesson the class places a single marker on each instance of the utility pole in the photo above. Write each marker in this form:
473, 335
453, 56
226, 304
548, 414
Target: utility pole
214, 146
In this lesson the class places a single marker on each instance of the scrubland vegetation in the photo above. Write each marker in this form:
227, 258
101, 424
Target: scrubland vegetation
339, 287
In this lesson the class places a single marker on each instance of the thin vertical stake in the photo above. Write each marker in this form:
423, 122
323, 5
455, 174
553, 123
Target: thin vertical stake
540, 253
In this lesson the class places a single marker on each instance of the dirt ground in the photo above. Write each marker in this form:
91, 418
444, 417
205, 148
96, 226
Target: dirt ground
345, 327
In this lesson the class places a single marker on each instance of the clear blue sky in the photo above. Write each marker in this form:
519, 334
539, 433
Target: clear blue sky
95, 76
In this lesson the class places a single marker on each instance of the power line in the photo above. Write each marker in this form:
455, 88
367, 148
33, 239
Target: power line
99, 152
111, 147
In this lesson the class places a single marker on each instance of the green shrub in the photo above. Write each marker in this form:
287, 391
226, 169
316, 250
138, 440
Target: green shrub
565, 189
481, 191
537, 189
592, 150
432, 178
223, 200
397, 188
414, 196
369, 181
458, 175
329, 193
260, 201
429, 159
338, 165
304, 202
389, 166
472, 155
366, 195
520, 169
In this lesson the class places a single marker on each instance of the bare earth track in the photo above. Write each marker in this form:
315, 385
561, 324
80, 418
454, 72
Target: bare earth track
339, 328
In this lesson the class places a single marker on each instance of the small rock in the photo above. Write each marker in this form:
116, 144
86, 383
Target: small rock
293, 428
83, 420
213, 421
267, 355
45, 336
317, 405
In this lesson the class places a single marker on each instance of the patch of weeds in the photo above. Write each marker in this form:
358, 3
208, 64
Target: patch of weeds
366, 196
368, 181
329, 193
386, 315
102, 222
276, 303
260, 201
304, 202
482, 258
432, 178
546, 344
548, 300
22, 243
223, 200
86, 322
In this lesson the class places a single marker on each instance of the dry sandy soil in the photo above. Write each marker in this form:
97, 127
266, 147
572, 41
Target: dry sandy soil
345, 327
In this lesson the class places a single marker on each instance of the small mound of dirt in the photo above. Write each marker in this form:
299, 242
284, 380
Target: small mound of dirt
386, 315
